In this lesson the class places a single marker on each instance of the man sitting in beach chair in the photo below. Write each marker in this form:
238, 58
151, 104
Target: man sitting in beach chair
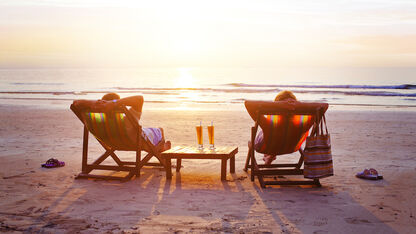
284, 126
117, 128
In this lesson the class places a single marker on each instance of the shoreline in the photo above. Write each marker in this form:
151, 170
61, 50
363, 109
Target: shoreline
157, 105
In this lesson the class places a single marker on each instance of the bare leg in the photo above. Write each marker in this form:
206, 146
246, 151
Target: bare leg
166, 144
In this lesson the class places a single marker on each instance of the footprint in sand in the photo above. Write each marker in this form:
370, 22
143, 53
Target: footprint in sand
320, 222
206, 215
355, 220
320, 232
30, 209
20, 202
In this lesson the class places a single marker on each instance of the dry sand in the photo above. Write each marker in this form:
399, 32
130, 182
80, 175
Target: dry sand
35, 199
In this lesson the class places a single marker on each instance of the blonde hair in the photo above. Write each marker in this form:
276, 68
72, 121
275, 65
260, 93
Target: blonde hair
285, 95
110, 97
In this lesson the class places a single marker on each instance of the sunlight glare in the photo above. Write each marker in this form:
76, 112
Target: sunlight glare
187, 82
186, 47
185, 79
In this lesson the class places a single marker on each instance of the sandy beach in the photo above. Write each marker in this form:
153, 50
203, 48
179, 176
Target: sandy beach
35, 199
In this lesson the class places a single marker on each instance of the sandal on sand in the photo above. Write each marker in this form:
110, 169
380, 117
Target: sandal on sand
369, 174
374, 172
53, 163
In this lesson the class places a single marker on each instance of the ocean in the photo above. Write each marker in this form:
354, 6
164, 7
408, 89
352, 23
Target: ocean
218, 88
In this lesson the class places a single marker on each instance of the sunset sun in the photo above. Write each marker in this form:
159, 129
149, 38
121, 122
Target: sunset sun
185, 78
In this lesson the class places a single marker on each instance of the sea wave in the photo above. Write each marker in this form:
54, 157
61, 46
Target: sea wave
402, 86
359, 93
313, 90
177, 91
225, 90
233, 101
36, 83
147, 101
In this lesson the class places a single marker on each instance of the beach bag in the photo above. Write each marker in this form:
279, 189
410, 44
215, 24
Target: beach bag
318, 157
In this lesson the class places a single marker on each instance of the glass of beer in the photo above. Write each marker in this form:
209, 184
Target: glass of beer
211, 136
199, 136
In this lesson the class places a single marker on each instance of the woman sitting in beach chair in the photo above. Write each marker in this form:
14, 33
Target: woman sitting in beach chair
111, 101
287, 96
282, 127
117, 127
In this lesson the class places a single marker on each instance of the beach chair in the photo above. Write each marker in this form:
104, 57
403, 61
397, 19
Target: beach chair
285, 126
109, 128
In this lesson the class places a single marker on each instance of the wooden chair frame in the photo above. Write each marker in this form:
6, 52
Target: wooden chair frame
133, 167
280, 169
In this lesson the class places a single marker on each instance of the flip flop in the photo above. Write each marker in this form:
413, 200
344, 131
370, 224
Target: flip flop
366, 174
51, 163
374, 172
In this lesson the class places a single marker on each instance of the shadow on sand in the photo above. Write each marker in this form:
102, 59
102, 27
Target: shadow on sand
199, 203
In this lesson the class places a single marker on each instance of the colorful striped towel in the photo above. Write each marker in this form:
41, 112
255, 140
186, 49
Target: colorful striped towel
153, 135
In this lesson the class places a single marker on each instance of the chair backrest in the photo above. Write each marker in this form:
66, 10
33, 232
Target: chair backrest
283, 134
110, 129
284, 125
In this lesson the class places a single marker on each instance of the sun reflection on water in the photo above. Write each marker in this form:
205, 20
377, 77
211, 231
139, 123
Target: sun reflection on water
185, 84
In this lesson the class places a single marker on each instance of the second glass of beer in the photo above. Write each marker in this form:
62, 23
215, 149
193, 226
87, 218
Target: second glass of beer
211, 136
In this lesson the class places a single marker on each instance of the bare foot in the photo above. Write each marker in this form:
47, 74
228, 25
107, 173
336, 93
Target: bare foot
167, 145
268, 159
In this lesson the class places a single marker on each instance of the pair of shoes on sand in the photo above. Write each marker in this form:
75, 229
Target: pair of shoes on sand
52, 162
369, 174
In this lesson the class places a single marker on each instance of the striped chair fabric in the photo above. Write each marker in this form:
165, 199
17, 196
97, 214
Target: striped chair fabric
284, 134
110, 129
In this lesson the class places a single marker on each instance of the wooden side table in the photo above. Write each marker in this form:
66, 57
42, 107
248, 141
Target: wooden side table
189, 152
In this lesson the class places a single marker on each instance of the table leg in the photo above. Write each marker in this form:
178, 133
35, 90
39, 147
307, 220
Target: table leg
168, 168
223, 169
178, 164
232, 164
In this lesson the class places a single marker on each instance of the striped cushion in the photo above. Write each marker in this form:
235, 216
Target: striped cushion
283, 134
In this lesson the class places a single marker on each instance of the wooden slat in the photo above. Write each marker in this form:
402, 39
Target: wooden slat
293, 182
113, 168
153, 164
279, 172
278, 165
103, 177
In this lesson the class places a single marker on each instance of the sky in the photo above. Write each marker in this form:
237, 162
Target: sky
103, 33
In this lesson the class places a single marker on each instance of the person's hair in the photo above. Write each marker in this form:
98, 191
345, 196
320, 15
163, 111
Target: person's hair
285, 95
110, 97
